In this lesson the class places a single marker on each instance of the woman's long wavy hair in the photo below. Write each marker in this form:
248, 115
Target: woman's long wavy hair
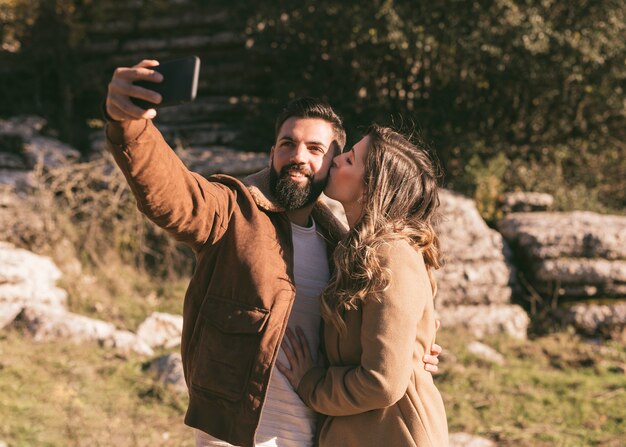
400, 202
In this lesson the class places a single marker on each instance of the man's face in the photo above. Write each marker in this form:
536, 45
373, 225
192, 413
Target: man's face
300, 161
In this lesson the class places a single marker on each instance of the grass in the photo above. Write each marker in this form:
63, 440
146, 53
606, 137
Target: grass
557, 390
61, 394
122, 295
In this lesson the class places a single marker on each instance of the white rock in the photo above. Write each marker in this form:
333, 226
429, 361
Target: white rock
596, 319
126, 342
467, 440
482, 320
477, 269
169, 370
8, 312
485, 352
28, 278
161, 330
47, 323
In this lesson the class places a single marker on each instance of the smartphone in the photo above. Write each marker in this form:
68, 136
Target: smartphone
179, 85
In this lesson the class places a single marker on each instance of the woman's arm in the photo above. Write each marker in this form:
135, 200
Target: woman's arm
388, 339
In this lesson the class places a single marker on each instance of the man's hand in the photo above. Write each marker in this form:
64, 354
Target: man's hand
431, 361
298, 355
121, 88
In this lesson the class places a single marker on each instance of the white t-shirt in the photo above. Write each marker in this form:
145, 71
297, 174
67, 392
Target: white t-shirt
285, 420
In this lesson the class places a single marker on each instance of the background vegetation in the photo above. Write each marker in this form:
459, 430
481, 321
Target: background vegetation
512, 94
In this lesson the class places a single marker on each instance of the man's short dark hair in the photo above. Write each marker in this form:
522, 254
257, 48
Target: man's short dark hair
308, 107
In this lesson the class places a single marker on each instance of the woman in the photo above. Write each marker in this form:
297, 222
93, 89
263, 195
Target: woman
379, 303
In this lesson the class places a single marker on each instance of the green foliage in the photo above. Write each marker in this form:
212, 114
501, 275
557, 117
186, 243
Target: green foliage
487, 182
518, 78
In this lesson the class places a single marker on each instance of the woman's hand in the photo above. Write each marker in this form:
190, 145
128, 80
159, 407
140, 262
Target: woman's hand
299, 355
431, 361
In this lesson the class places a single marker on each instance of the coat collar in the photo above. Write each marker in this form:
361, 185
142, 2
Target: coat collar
259, 186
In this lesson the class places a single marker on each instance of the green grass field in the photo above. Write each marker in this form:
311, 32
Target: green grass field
554, 391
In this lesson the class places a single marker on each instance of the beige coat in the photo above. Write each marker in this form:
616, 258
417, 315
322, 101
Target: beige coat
376, 391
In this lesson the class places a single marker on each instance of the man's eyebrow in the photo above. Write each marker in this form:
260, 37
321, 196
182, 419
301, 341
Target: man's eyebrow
318, 143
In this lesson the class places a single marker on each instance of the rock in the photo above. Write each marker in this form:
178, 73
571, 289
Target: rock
581, 277
482, 320
24, 126
168, 370
8, 312
50, 152
467, 440
574, 255
46, 323
596, 319
577, 234
161, 330
20, 180
473, 283
485, 352
477, 270
28, 278
126, 342
526, 202
32, 148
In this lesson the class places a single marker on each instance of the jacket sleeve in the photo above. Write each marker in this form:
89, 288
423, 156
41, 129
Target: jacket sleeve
191, 208
388, 340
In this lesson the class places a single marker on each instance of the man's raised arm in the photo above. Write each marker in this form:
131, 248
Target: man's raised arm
193, 209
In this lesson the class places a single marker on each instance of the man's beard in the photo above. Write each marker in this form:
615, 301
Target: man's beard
290, 194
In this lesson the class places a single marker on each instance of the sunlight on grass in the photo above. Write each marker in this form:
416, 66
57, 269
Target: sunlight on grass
555, 390
60, 394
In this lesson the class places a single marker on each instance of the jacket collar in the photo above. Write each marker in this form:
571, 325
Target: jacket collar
259, 186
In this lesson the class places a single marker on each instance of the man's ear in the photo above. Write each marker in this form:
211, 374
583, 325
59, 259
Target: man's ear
271, 156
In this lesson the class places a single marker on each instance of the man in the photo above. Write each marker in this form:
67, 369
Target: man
262, 248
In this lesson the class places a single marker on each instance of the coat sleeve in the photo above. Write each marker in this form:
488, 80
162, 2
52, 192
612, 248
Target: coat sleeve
388, 339
191, 208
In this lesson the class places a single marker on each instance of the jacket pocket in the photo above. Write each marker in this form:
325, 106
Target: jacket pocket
227, 344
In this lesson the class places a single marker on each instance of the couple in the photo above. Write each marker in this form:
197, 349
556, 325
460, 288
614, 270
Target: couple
267, 249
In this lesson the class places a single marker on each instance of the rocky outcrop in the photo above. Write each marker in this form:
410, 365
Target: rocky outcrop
30, 300
161, 330
27, 278
596, 319
23, 146
478, 269
476, 284
575, 255
521, 201
486, 319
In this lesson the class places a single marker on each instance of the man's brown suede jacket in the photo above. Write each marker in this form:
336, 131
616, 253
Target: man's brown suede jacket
239, 299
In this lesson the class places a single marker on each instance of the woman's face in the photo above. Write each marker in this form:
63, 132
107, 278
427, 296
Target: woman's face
345, 182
